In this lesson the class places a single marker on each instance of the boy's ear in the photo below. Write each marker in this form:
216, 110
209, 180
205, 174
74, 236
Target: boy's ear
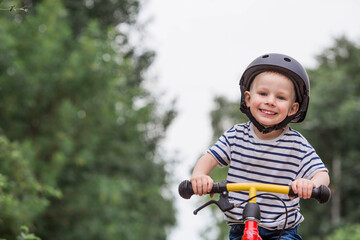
294, 108
247, 98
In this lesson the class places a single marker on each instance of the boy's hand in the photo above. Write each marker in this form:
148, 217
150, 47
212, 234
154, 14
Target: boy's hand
202, 184
303, 187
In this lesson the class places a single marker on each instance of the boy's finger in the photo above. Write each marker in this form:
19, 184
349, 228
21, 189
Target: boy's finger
210, 186
197, 186
300, 189
309, 190
204, 186
294, 187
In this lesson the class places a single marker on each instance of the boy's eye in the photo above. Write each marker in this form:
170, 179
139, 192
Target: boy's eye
281, 98
262, 93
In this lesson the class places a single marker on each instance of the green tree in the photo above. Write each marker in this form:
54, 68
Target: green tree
331, 127
22, 197
349, 232
108, 13
77, 101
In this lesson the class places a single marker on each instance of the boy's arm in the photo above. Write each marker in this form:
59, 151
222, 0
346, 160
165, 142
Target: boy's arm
303, 187
200, 180
321, 178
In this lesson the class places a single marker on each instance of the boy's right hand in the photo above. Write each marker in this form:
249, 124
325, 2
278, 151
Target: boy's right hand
202, 184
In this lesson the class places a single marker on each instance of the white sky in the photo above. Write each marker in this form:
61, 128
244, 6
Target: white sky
203, 46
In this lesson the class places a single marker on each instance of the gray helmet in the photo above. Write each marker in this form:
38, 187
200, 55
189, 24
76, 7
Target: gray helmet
287, 66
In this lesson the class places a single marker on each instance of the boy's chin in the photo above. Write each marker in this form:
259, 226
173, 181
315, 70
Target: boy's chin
267, 125
270, 126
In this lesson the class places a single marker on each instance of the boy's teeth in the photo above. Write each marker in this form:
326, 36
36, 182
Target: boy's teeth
267, 112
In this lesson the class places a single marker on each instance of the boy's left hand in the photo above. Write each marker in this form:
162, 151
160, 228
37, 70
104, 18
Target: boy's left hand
303, 187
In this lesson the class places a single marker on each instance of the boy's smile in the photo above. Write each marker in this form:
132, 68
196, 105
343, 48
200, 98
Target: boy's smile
271, 98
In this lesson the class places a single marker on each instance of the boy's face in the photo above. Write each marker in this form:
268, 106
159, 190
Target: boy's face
271, 98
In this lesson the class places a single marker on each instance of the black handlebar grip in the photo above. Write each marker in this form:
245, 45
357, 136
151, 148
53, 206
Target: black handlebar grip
185, 189
322, 194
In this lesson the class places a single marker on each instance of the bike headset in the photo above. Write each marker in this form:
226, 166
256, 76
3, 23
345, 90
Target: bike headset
292, 69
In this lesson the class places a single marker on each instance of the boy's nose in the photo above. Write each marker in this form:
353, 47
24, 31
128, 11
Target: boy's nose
270, 100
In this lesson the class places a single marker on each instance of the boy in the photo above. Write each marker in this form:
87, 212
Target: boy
274, 92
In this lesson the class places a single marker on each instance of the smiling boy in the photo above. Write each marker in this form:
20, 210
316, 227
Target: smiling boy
271, 99
274, 92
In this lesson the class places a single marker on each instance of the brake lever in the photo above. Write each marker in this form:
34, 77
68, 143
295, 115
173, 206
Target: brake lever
223, 203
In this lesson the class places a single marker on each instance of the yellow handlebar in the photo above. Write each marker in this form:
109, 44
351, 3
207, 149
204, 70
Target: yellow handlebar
322, 193
254, 187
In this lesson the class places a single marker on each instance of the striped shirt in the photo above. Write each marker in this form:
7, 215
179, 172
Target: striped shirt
278, 161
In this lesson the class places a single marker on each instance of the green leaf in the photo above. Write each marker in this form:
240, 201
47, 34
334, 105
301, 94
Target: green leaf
86, 163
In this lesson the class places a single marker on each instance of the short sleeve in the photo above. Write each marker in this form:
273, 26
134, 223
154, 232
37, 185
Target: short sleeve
310, 165
221, 150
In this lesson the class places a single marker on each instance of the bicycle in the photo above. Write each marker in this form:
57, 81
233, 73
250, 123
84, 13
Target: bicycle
251, 212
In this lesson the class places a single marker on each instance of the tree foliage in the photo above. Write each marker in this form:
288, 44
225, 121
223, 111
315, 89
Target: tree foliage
331, 127
350, 232
22, 196
85, 132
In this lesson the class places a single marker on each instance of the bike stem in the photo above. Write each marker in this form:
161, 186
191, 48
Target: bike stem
251, 216
252, 194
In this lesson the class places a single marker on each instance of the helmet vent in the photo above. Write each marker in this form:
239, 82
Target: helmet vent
265, 56
287, 59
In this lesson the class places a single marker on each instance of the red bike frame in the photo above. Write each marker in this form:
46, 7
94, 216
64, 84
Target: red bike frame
251, 231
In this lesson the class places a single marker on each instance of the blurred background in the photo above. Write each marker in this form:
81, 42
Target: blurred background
106, 105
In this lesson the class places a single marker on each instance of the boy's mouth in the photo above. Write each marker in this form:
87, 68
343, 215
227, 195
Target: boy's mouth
267, 112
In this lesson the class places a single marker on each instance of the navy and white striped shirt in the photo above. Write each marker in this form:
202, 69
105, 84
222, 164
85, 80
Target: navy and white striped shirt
277, 161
